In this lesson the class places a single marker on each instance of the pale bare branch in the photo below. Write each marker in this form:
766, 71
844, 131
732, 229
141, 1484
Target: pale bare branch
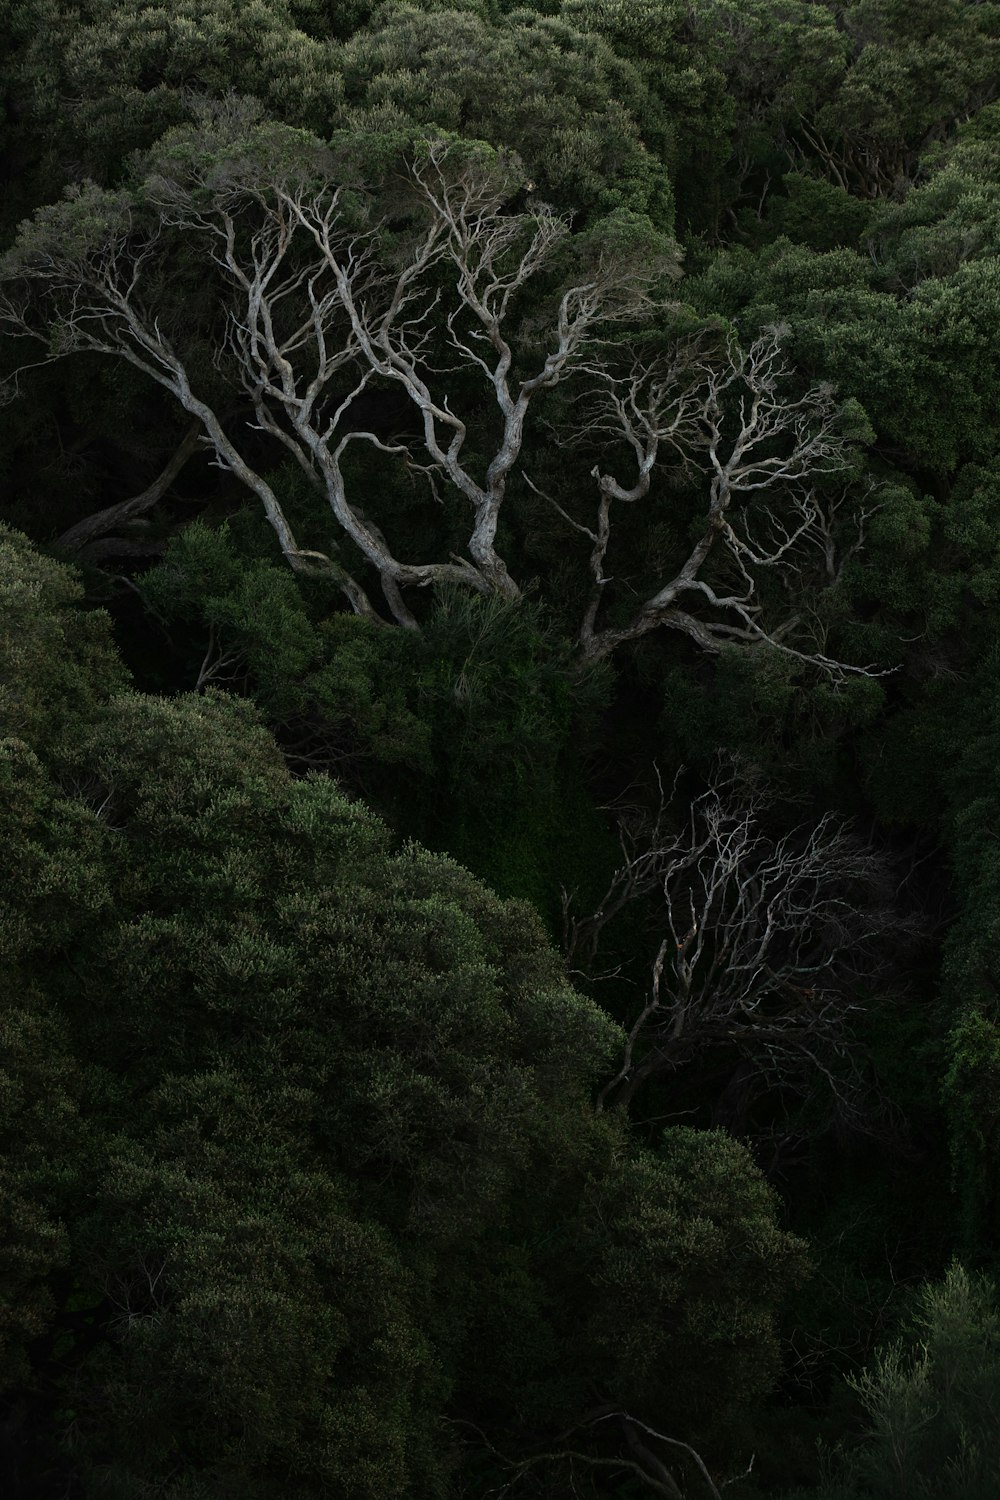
764, 450
766, 937
322, 304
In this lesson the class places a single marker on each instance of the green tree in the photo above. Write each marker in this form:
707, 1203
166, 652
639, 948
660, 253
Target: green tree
320, 1091
465, 737
592, 136
929, 1402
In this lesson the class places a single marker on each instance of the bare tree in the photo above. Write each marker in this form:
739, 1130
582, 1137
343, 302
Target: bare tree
766, 939
762, 451
317, 312
322, 303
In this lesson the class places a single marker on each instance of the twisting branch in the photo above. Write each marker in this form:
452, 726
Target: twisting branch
631, 1424
81, 292
219, 664
762, 450
323, 307
320, 305
637, 1030
87, 531
766, 939
643, 1463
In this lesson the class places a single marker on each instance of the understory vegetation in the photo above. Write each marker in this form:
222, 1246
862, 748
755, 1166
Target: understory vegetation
499, 582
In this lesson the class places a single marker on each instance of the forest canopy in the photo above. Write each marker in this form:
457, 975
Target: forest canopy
498, 559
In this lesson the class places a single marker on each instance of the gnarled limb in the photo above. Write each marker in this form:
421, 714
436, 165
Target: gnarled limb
83, 533
766, 937
762, 450
320, 305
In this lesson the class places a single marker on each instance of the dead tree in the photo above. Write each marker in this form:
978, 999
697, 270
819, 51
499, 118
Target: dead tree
317, 312
765, 939
729, 415
322, 305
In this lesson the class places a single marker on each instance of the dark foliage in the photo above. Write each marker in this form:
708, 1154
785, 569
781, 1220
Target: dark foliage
372, 628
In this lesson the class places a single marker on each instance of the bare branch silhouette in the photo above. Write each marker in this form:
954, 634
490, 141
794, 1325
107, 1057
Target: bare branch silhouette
766, 937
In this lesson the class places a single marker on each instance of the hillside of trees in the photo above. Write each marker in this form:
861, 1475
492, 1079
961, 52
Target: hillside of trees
500, 730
